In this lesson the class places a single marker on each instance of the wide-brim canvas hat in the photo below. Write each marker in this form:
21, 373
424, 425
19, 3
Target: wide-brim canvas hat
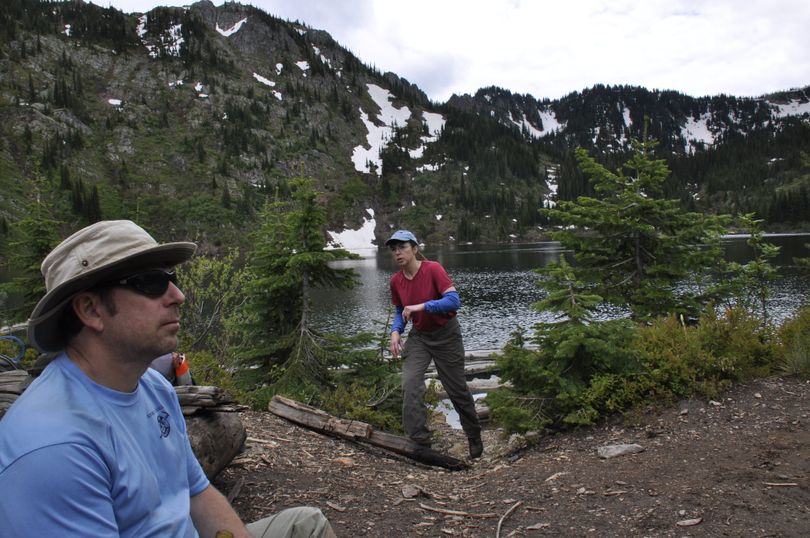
403, 236
91, 256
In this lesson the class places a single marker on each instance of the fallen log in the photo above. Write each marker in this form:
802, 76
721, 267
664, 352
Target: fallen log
196, 398
354, 430
12, 384
216, 438
14, 381
472, 367
476, 386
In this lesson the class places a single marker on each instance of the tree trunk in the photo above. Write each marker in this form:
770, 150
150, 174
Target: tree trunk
216, 439
215, 431
354, 430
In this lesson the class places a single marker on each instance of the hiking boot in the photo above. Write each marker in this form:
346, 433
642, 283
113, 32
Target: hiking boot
424, 443
476, 447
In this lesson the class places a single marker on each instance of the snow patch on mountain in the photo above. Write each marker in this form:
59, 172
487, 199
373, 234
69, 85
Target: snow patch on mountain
170, 41
228, 32
359, 241
697, 131
794, 108
548, 119
435, 123
364, 158
268, 82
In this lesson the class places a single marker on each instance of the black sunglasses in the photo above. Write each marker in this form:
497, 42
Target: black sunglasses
152, 283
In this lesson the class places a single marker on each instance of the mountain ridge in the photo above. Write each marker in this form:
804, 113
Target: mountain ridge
187, 118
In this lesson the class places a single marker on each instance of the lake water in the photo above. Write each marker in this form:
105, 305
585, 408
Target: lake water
497, 287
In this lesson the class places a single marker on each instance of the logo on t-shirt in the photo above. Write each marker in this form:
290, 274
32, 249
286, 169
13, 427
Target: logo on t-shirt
163, 423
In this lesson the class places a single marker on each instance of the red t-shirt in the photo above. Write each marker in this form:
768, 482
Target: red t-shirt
430, 281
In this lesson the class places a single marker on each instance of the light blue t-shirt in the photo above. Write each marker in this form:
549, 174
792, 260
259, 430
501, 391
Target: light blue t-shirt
80, 459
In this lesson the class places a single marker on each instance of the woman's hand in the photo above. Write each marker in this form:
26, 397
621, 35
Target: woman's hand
408, 311
396, 345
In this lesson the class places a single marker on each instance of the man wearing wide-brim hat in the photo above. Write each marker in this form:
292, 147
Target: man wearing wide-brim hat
97, 444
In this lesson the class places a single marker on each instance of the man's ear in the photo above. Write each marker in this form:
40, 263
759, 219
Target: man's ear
87, 306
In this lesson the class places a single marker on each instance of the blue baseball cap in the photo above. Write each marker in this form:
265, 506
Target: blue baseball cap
403, 236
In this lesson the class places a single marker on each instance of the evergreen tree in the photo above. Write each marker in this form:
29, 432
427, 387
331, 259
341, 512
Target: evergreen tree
287, 265
635, 247
226, 198
546, 387
755, 277
92, 206
632, 248
213, 287
64, 178
803, 262
32, 238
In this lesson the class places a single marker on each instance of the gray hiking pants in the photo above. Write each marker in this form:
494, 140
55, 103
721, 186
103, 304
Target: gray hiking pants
299, 522
445, 347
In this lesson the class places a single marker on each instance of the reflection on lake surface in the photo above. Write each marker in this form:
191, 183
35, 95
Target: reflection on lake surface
497, 287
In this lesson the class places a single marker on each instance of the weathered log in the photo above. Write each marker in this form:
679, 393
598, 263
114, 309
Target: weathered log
14, 381
216, 439
354, 430
196, 398
476, 386
12, 384
216, 433
472, 367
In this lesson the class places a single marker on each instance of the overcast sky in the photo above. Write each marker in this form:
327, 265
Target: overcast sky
549, 49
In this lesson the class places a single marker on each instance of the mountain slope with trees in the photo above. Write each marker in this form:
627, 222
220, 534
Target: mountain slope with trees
187, 119
728, 154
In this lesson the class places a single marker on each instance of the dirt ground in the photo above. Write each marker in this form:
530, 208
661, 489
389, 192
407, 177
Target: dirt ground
739, 466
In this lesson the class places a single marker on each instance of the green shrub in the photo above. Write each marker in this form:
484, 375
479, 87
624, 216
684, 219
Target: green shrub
11, 350
379, 407
366, 389
793, 357
553, 386
705, 359
613, 393
352, 399
207, 369
670, 352
582, 373
742, 346
361, 385
517, 412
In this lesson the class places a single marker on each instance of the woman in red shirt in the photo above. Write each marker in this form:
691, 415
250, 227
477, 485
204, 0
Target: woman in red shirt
423, 293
